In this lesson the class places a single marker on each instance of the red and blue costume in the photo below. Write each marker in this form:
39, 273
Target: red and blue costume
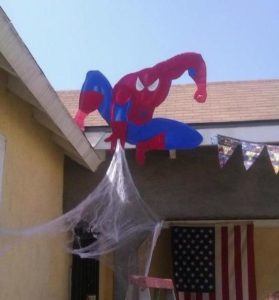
128, 107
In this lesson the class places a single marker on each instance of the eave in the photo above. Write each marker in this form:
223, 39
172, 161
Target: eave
26, 80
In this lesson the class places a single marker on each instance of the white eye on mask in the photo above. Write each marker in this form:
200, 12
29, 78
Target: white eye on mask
154, 85
139, 85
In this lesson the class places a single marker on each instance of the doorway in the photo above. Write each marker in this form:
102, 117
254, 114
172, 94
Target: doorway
85, 271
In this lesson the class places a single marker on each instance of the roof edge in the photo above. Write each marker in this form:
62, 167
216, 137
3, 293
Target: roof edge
21, 60
249, 123
193, 84
228, 82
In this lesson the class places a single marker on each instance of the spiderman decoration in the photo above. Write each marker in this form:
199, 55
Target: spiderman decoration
128, 107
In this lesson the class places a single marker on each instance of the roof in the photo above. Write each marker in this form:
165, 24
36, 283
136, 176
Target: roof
24, 78
237, 101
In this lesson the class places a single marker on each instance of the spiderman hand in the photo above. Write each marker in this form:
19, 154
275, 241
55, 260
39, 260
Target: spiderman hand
200, 94
119, 132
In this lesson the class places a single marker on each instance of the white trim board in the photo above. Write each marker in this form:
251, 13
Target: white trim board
268, 133
259, 134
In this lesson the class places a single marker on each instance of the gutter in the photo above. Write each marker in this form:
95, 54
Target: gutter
23, 63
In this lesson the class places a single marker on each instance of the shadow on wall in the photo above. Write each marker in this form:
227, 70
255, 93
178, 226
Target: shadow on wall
192, 186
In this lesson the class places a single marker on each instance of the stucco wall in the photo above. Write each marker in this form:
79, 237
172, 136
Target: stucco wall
32, 194
267, 260
192, 187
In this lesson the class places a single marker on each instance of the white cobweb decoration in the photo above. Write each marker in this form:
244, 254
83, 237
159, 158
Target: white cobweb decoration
123, 229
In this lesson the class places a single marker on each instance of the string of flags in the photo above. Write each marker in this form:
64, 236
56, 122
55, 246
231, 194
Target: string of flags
250, 152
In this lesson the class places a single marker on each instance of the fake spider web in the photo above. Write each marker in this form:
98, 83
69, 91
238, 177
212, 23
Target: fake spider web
119, 226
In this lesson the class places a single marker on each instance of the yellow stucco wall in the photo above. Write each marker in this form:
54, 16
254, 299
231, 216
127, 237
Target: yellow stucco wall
106, 282
266, 259
32, 194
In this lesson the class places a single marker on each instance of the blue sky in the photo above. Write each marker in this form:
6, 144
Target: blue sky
239, 39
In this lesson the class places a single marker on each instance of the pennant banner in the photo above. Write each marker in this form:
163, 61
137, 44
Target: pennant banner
273, 152
250, 152
226, 147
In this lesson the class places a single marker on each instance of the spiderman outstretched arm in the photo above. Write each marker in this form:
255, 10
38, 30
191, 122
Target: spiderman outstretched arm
176, 66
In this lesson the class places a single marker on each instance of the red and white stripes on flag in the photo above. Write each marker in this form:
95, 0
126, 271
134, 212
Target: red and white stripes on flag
234, 265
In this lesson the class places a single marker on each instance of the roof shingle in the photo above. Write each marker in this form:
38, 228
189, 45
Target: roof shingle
227, 102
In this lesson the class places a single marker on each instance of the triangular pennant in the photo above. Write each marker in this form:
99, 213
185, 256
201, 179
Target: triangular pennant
250, 152
226, 147
273, 152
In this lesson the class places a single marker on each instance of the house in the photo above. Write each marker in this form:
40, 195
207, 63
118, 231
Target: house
192, 188
47, 164
36, 134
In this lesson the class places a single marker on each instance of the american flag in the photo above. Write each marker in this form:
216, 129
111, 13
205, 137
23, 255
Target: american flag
214, 262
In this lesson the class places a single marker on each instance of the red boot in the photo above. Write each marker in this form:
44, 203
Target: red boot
156, 143
79, 119
88, 102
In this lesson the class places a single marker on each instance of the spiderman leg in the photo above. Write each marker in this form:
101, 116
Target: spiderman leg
88, 102
95, 94
159, 134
